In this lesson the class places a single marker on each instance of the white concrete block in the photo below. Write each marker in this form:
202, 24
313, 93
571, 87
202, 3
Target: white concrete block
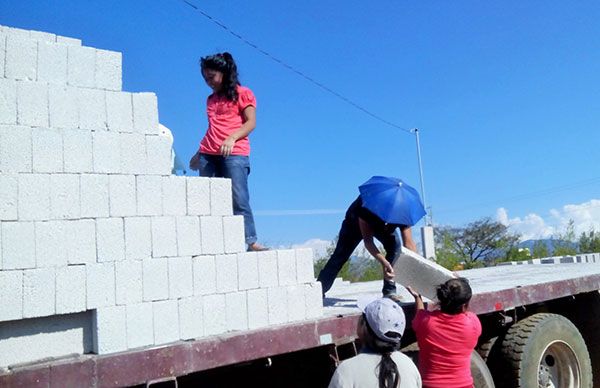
414, 270
220, 197
267, 269
278, 308
181, 282
8, 100
32, 104
191, 323
34, 197
205, 275
50, 242
81, 241
164, 237
233, 230
52, 63
65, 201
77, 151
258, 308
70, 289
110, 329
166, 321
47, 150
158, 155
305, 265
2, 53
174, 195
215, 307
100, 280
119, 111
296, 302
237, 311
81, 66
211, 231
122, 195
133, 153
108, 70
155, 278
39, 292
42, 36
63, 107
11, 295
247, 270
21, 58
15, 149
145, 113
8, 197
227, 273
314, 300
138, 238
94, 195
129, 289
188, 236
68, 41
110, 237
107, 152
198, 196
17, 32
149, 195
91, 108
140, 325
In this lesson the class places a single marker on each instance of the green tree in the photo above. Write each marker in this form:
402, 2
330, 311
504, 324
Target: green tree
540, 249
564, 243
480, 241
445, 254
589, 242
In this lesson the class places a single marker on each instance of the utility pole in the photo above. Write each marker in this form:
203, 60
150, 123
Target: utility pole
427, 229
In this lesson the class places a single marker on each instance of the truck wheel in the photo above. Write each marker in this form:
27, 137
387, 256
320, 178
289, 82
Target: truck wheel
546, 351
482, 378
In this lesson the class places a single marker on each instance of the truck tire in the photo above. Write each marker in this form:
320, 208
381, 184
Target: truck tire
543, 350
482, 378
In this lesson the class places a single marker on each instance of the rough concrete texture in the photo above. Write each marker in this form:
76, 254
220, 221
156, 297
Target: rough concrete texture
414, 270
94, 227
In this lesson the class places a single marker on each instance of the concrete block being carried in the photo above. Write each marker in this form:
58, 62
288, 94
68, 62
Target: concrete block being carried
423, 275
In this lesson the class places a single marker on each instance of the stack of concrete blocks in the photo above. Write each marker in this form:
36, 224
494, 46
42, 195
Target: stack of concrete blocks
581, 258
91, 218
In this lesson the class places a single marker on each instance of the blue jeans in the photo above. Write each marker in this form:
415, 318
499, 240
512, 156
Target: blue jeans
348, 240
237, 168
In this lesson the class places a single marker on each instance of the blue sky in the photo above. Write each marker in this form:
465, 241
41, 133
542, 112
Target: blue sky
506, 96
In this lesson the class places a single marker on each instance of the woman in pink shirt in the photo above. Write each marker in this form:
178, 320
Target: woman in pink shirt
447, 336
225, 149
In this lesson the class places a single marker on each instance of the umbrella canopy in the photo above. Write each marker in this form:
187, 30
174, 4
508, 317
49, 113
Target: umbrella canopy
392, 200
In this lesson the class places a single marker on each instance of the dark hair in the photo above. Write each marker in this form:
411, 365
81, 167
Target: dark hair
389, 377
453, 295
224, 63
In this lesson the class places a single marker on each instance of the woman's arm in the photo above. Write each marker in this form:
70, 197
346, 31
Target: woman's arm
249, 114
367, 235
418, 298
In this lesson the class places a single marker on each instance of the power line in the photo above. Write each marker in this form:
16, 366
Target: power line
296, 71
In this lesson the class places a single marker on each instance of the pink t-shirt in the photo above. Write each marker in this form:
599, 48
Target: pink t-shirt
445, 345
224, 118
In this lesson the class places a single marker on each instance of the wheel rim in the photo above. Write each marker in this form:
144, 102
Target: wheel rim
559, 367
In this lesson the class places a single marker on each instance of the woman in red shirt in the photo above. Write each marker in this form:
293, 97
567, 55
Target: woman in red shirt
225, 149
447, 336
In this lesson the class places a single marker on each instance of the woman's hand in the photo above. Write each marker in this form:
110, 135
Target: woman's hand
412, 292
227, 146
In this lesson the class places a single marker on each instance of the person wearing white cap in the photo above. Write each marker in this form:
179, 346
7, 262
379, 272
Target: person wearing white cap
380, 364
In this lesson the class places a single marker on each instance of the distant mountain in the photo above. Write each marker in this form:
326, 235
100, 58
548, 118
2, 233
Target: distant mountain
548, 241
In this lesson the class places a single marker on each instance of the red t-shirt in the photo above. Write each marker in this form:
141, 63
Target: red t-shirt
224, 118
445, 345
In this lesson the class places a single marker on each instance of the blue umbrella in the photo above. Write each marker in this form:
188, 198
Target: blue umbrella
392, 200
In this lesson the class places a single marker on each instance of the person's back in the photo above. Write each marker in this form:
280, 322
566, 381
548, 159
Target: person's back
445, 345
363, 371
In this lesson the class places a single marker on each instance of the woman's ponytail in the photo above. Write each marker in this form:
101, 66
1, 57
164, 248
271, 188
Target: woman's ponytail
389, 377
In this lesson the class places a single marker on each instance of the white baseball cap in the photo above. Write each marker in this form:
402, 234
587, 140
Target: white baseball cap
385, 317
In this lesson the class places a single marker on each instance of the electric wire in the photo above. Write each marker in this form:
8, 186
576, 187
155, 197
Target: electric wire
296, 71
